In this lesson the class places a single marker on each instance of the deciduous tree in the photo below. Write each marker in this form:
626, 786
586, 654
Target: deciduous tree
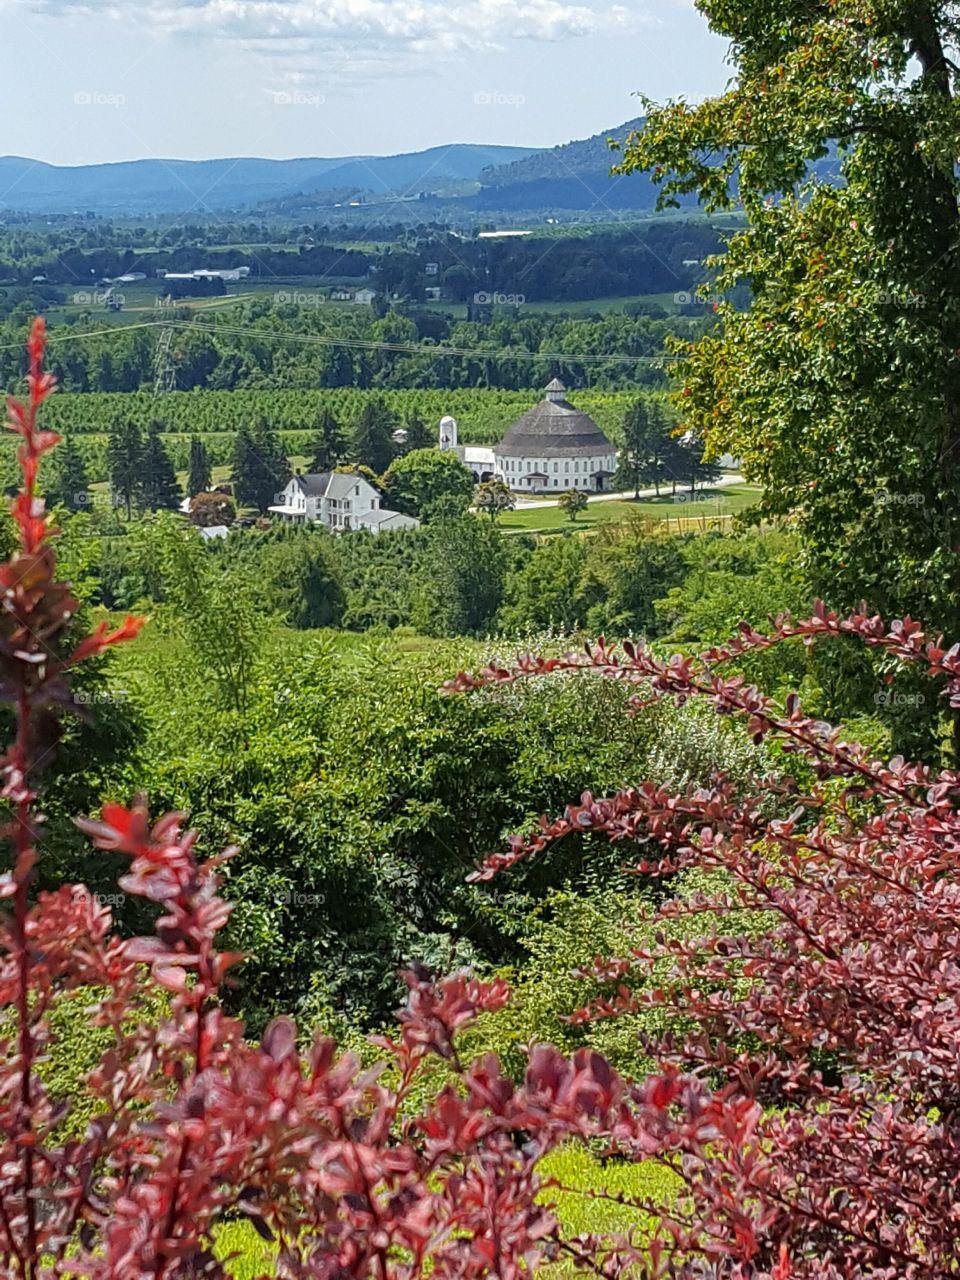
420, 479
572, 502
493, 497
839, 388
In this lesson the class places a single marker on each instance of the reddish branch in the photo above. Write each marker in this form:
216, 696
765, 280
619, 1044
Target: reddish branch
822, 995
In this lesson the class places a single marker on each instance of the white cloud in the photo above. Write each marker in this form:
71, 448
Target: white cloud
344, 36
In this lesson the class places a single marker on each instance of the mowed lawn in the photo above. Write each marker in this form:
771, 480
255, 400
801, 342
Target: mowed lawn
711, 503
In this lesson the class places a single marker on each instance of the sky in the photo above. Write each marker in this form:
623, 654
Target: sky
92, 81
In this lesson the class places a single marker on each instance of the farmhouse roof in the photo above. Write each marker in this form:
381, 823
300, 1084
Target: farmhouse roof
331, 484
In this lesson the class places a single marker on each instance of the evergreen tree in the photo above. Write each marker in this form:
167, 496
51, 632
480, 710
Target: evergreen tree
637, 455
329, 446
274, 466
690, 464
125, 464
243, 469
199, 475
259, 468
419, 435
68, 479
160, 490
373, 436
650, 453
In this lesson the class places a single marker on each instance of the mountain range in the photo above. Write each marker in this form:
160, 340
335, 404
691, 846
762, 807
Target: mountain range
574, 176
468, 178
165, 186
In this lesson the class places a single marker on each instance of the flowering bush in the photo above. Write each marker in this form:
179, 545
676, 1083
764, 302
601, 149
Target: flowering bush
811, 1113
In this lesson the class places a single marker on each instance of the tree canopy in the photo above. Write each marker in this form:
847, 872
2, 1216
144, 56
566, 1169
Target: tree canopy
840, 387
419, 480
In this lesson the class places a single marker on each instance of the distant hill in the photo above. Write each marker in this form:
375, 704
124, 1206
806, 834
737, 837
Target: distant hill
165, 186
575, 175
569, 160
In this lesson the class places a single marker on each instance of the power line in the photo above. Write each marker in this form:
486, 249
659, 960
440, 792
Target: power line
363, 344
359, 344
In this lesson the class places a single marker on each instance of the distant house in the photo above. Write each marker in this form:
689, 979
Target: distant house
339, 500
212, 531
365, 296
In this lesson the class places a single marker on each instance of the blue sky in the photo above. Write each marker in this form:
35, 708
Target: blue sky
87, 81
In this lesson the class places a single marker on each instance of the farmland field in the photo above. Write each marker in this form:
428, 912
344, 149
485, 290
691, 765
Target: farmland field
676, 510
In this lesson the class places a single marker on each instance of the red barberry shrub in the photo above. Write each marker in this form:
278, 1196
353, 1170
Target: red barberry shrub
812, 1101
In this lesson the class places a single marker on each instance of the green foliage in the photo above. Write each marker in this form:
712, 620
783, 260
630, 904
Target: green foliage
215, 609
329, 447
199, 475
297, 569
629, 568
372, 444
68, 483
360, 797
125, 463
423, 478
855, 322
571, 502
461, 578
77, 1047
545, 590
159, 490
419, 435
259, 466
649, 445
493, 497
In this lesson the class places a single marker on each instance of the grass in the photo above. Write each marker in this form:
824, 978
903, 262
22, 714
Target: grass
711, 504
578, 1208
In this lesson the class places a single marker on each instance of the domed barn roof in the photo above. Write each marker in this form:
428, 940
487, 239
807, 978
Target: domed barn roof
554, 426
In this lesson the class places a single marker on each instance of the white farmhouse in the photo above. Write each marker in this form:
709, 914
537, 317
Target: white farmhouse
339, 500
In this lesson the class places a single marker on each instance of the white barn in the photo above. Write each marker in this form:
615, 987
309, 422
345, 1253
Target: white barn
339, 500
555, 446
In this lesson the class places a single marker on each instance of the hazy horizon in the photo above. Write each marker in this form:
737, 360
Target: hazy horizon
106, 81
